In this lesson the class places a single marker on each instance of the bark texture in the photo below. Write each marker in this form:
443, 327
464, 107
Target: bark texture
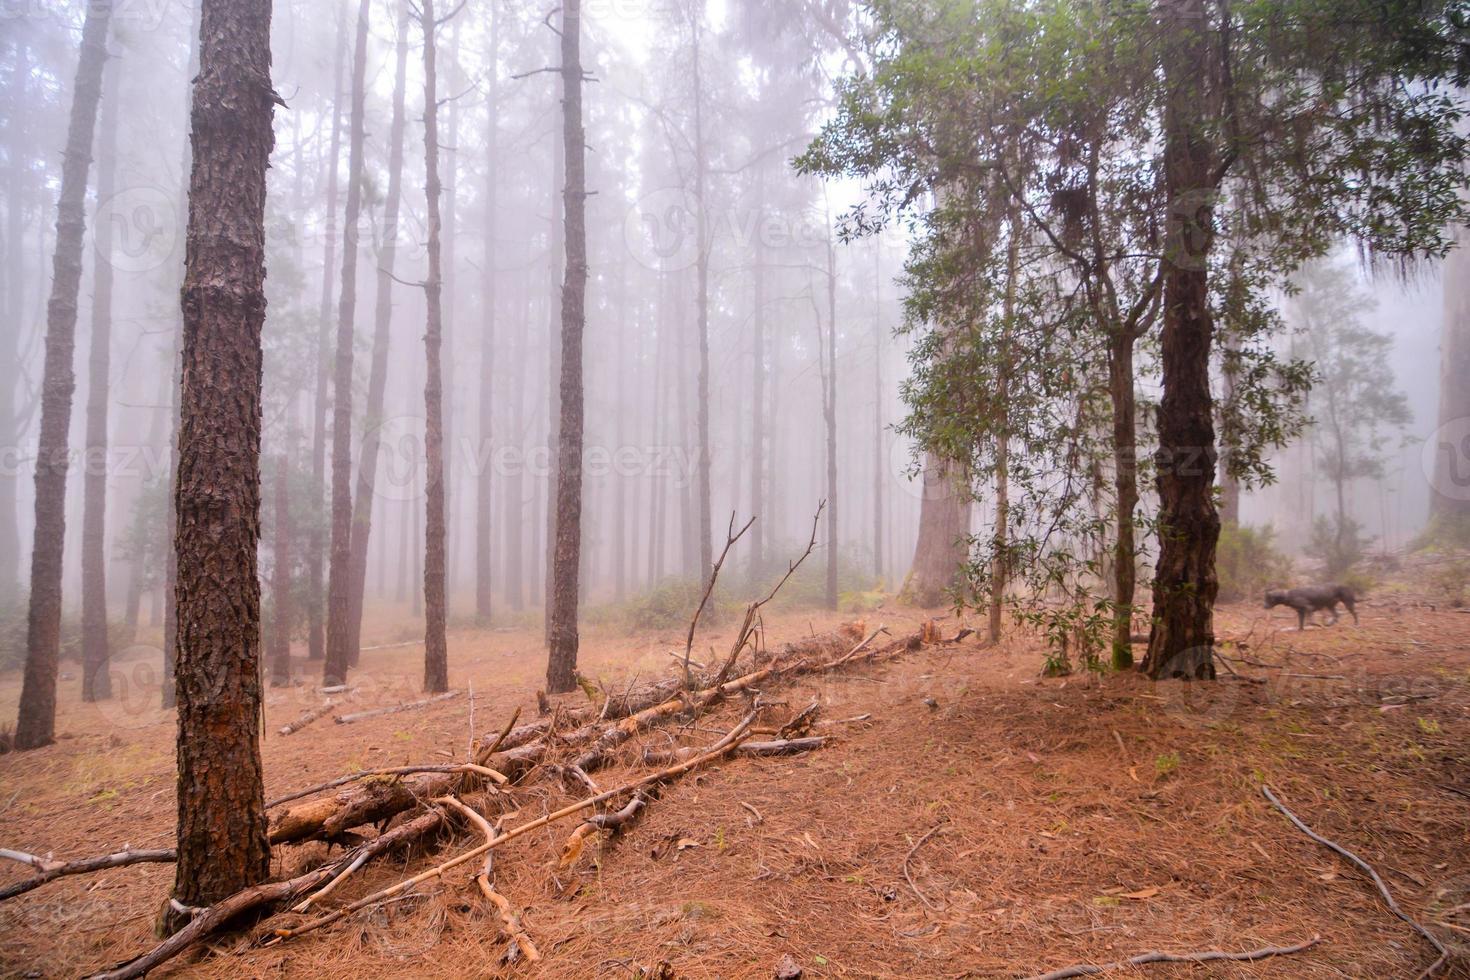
1182, 639
222, 845
944, 523
367, 465
36, 725
339, 574
436, 653
561, 664
280, 638
96, 678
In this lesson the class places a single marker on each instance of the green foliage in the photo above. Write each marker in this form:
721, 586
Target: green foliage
1248, 563
1449, 580
1338, 545
670, 605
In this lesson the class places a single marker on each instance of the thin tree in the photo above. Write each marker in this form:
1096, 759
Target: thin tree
96, 678
483, 565
36, 725
339, 575
436, 652
829, 414
367, 465
222, 828
18, 193
703, 243
1450, 500
561, 663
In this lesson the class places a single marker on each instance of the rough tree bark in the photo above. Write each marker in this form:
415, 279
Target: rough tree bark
545, 558
96, 678
367, 465
561, 661
339, 587
36, 725
944, 521
279, 651
486, 475
222, 844
315, 618
436, 653
1182, 640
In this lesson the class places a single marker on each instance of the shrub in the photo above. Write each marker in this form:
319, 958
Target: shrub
1448, 581
1248, 563
1337, 546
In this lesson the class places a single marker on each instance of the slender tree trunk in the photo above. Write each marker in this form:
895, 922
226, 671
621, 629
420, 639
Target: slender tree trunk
17, 192
339, 578
760, 532
1229, 485
561, 662
1125, 478
280, 638
96, 678
483, 551
515, 486
1000, 564
449, 362
36, 725
555, 286
622, 560
704, 448
367, 465
222, 840
829, 413
436, 652
1450, 499
315, 635
878, 461
944, 523
140, 572
1182, 641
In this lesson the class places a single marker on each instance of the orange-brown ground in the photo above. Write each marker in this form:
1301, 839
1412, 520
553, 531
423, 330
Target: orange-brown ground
1085, 819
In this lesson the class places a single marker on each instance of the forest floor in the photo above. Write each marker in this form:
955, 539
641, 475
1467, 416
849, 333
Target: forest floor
1084, 819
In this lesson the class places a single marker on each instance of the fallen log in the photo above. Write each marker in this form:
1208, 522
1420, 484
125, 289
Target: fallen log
267, 896
395, 708
308, 717
52, 869
787, 746
461, 767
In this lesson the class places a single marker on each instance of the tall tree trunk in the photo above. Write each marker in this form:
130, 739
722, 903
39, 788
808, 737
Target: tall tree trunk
339, 578
96, 678
483, 551
436, 652
222, 841
703, 447
14, 309
1229, 484
515, 485
367, 465
36, 725
561, 661
555, 262
449, 236
760, 533
1450, 499
1182, 641
944, 523
1125, 479
171, 559
878, 461
315, 613
1000, 563
279, 653
621, 557
829, 414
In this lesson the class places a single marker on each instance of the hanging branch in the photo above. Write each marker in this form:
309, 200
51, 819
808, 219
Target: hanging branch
1393, 906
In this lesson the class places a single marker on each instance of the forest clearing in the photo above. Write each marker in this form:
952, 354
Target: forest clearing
735, 488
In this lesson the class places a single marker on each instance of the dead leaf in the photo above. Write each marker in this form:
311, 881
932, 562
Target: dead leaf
687, 842
1141, 894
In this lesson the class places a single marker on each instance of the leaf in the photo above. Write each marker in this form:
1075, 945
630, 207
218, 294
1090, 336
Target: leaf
1141, 894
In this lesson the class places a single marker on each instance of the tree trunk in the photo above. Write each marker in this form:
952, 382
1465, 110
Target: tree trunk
561, 662
339, 584
486, 474
878, 461
367, 465
944, 523
1229, 485
315, 636
1182, 640
222, 844
761, 531
545, 554
449, 239
1125, 478
1000, 563
14, 312
1450, 499
829, 414
436, 653
703, 447
280, 639
36, 725
515, 484
96, 678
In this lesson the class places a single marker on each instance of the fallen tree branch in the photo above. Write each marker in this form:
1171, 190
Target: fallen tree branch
52, 869
1208, 956
268, 895
1444, 954
510, 922
308, 717
720, 749
395, 708
455, 767
787, 746
909, 857
572, 848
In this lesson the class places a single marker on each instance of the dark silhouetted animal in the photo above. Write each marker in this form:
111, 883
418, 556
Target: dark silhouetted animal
1308, 599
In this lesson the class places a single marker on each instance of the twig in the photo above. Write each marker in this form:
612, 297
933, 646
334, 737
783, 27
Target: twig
1366, 867
1207, 956
487, 752
464, 767
907, 857
51, 869
756, 813
731, 536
